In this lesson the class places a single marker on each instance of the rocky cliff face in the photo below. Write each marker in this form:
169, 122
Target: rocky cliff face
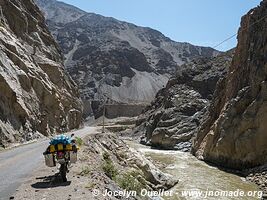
173, 117
36, 95
114, 59
234, 133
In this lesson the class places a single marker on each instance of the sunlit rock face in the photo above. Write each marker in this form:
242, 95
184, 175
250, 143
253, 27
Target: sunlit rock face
37, 97
234, 133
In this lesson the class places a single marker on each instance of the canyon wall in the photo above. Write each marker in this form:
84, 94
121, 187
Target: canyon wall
234, 134
173, 117
37, 97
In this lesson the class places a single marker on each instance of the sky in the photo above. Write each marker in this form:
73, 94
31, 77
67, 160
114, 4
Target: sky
200, 22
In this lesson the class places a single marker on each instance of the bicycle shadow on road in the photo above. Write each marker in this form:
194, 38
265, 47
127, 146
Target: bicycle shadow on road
50, 182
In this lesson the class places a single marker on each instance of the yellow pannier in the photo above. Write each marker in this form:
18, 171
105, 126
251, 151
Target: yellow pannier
52, 148
69, 147
60, 147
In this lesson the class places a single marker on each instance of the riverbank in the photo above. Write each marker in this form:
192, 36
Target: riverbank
257, 176
195, 175
106, 164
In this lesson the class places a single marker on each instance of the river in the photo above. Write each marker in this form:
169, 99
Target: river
199, 178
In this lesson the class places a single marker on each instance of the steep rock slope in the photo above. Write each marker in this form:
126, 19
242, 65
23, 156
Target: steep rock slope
36, 96
115, 59
234, 133
172, 118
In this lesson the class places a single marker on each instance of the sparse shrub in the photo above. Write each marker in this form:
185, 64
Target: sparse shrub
79, 141
85, 171
110, 170
129, 182
106, 156
108, 166
90, 185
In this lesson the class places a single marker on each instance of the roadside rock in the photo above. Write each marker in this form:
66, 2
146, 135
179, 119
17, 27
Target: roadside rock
37, 97
127, 160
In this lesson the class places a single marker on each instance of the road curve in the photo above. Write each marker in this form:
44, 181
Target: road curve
18, 163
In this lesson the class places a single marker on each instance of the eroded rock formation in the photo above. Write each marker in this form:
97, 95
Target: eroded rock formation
172, 118
235, 131
36, 95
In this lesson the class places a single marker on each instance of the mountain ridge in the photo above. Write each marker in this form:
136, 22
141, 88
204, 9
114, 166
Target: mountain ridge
108, 57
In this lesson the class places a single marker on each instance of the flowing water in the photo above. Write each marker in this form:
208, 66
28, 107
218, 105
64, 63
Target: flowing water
198, 177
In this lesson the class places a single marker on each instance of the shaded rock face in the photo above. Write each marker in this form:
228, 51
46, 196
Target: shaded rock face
234, 132
115, 59
173, 117
36, 95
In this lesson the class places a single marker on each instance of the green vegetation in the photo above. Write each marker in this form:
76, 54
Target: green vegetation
108, 167
79, 141
106, 156
90, 185
128, 181
85, 171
